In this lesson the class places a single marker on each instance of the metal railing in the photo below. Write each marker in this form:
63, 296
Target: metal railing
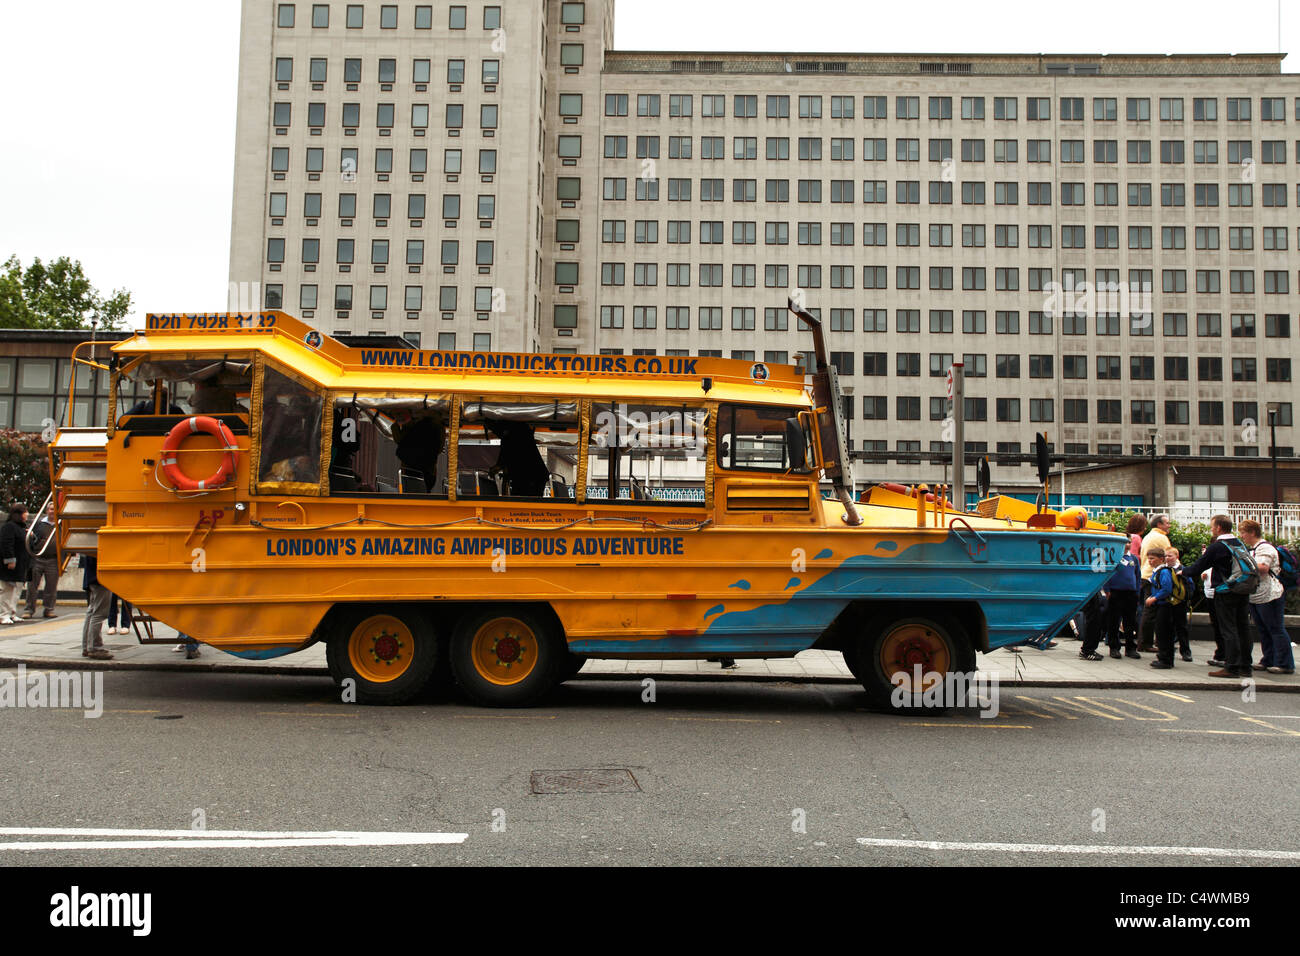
1282, 522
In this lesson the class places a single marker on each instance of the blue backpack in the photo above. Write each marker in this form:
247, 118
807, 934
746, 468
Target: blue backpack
1245, 572
1288, 569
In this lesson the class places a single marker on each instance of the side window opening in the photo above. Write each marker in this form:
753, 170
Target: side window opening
389, 444
647, 453
290, 447
763, 438
517, 449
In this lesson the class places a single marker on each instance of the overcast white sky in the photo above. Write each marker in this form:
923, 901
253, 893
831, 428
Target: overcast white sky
117, 123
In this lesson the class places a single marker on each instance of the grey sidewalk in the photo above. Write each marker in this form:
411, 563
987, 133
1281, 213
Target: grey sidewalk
57, 643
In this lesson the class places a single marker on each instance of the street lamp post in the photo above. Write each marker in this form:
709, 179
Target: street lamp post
1272, 453
1154, 433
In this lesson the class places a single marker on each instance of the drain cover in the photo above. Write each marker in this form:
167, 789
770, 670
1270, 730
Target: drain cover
584, 781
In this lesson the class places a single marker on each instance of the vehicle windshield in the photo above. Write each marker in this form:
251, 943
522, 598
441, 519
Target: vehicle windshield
763, 438
198, 386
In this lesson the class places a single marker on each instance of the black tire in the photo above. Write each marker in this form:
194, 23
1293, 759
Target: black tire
864, 656
382, 637
572, 664
493, 641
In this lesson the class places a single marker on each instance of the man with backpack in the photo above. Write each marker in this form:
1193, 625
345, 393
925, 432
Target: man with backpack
1267, 601
1233, 576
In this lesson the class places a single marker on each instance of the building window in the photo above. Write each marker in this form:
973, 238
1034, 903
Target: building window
355, 16
456, 18
320, 15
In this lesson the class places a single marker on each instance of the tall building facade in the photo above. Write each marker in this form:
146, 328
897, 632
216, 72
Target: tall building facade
1102, 241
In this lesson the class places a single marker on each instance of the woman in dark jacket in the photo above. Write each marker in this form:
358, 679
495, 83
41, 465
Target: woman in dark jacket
14, 562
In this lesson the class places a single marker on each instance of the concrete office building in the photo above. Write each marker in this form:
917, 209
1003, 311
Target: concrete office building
497, 176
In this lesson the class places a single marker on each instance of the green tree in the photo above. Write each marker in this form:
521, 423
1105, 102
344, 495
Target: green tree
56, 296
24, 469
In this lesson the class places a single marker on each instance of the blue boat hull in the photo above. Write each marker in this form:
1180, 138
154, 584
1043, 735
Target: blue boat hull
1027, 586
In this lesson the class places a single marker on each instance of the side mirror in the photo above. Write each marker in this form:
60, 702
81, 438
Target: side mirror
796, 443
983, 480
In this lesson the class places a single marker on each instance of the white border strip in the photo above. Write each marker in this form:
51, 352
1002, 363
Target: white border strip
219, 844
214, 839
1085, 849
396, 836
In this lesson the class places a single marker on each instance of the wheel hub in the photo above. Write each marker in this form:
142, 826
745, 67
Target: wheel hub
915, 652
507, 649
911, 647
386, 647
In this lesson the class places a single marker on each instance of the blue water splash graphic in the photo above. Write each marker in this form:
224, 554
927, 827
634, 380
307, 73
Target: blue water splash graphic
886, 545
823, 553
793, 582
742, 584
716, 609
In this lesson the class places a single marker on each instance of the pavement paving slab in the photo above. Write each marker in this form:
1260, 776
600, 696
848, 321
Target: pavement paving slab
56, 643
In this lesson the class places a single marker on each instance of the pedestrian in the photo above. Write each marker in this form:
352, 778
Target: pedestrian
1179, 602
1157, 537
1091, 636
1220, 558
45, 565
13, 562
1158, 602
1267, 603
92, 644
118, 611
1137, 527
1121, 607
186, 644
1207, 602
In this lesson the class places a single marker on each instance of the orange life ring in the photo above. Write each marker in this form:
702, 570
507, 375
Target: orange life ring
183, 430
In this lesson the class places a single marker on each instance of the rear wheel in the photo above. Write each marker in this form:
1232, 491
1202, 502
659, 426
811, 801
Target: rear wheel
886, 660
507, 657
572, 664
390, 653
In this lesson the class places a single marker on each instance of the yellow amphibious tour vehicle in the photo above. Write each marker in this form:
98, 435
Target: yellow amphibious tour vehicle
501, 517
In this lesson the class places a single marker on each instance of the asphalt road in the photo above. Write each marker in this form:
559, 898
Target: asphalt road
715, 774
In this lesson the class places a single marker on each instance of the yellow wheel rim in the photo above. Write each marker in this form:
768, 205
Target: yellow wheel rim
505, 651
381, 648
909, 646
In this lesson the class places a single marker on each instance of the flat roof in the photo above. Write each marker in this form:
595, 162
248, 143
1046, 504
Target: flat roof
323, 359
805, 63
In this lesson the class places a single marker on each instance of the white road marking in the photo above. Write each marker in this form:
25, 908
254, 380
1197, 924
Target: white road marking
213, 839
1230, 710
1085, 849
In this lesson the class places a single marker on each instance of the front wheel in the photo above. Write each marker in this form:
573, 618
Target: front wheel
887, 658
507, 657
388, 653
